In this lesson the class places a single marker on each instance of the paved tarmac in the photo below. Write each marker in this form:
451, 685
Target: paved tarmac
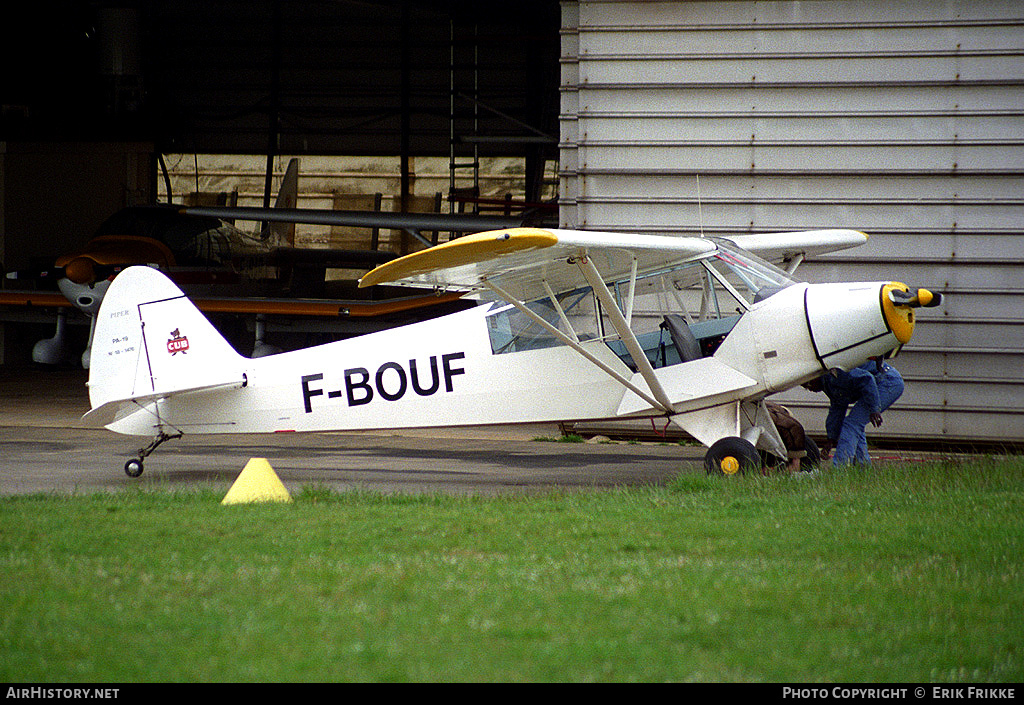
44, 448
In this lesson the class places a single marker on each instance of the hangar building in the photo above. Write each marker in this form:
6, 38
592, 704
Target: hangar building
902, 119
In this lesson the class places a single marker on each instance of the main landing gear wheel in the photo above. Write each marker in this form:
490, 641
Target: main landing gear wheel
811, 461
808, 463
732, 456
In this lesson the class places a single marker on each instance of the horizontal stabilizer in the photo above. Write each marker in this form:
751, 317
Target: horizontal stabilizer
690, 385
117, 409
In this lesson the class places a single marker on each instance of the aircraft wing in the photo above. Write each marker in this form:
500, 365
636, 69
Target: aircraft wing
34, 298
330, 308
524, 260
414, 223
779, 248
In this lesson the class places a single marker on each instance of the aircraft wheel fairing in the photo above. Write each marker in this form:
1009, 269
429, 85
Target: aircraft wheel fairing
730, 456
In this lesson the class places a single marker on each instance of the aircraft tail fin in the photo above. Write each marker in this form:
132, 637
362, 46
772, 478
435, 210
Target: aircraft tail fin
287, 197
151, 342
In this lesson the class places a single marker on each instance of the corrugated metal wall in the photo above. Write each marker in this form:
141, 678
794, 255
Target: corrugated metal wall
902, 119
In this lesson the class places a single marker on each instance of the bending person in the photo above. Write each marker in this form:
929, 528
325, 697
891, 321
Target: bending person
869, 389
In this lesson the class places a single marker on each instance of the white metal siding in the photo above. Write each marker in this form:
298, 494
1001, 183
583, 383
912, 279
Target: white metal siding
902, 119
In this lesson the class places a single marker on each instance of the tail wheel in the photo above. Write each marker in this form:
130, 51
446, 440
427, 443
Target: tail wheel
133, 468
732, 456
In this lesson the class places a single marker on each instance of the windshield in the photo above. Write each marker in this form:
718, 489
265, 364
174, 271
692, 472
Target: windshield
724, 282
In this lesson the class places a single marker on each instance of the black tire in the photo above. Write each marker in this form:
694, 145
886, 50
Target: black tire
731, 456
133, 468
808, 463
770, 460
812, 460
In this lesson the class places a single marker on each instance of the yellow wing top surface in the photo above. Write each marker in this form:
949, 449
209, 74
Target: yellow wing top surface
465, 252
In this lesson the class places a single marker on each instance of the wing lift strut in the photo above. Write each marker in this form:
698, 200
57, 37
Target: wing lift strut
748, 419
655, 395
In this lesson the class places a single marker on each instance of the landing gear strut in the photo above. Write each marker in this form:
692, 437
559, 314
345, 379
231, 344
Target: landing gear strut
134, 467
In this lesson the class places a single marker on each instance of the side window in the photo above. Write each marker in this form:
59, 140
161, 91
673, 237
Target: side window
512, 330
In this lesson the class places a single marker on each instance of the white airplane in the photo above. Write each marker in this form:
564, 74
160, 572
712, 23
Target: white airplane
571, 325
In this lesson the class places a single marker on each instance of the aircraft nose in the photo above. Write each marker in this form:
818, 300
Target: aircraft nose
898, 302
852, 321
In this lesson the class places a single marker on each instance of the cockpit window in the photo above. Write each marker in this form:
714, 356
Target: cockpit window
706, 295
735, 278
572, 313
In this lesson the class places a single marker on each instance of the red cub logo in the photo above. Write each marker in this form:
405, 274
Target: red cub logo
178, 343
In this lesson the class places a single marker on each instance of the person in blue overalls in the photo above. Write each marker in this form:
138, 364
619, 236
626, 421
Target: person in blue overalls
870, 389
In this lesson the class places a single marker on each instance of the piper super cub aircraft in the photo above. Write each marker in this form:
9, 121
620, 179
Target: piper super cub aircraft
571, 325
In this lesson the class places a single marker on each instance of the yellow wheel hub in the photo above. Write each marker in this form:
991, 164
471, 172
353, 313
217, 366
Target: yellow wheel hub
730, 465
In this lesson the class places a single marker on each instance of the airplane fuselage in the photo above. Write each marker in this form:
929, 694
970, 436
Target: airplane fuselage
448, 376
446, 372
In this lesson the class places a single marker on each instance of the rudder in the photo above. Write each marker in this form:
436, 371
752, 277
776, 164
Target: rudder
287, 197
151, 341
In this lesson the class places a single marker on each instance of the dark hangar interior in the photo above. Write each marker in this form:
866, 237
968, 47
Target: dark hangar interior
95, 92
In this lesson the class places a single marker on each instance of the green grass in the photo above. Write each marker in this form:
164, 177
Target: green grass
564, 438
905, 574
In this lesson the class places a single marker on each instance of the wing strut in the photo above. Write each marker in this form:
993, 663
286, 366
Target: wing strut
561, 311
643, 365
726, 285
631, 294
419, 236
792, 264
575, 345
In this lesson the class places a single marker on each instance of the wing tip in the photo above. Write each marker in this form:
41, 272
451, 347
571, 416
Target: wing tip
470, 249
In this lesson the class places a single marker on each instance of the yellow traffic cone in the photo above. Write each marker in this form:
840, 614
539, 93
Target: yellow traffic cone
257, 483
